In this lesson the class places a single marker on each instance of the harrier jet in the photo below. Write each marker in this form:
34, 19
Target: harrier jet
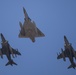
69, 52
8, 51
29, 29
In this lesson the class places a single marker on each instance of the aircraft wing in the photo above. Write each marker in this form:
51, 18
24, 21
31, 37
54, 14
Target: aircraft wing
3, 52
40, 34
62, 55
16, 52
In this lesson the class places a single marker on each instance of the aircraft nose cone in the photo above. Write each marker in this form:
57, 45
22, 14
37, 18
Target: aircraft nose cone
64, 37
1, 34
23, 9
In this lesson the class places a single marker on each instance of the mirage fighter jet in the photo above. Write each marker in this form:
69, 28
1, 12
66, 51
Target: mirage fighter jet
8, 51
29, 29
69, 52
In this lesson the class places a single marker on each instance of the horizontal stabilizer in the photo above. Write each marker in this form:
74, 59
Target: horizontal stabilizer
11, 63
72, 66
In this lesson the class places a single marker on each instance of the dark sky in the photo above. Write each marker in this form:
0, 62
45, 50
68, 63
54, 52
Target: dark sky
55, 18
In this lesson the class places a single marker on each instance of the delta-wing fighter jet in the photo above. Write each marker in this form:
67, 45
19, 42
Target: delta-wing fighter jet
68, 52
8, 51
29, 29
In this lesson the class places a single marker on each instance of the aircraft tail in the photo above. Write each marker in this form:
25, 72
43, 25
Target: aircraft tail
11, 63
72, 66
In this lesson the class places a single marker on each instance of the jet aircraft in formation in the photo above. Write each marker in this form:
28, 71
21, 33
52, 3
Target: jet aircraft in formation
8, 51
29, 29
69, 52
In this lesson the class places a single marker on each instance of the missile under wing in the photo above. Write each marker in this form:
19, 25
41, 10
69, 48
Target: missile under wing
29, 29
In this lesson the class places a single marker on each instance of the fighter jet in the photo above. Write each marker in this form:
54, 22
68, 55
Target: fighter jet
8, 51
68, 52
29, 29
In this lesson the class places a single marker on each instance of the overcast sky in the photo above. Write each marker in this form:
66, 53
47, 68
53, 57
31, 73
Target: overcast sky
55, 18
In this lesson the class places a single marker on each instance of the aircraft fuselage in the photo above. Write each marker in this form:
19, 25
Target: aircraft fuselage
5, 46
